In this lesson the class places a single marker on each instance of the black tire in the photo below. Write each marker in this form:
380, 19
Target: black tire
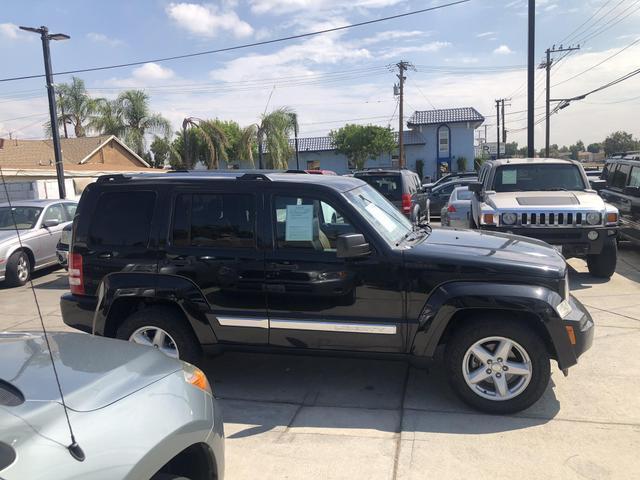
171, 322
603, 264
12, 276
482, 327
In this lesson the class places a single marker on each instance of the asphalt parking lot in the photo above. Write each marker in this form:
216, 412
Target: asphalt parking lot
308, 417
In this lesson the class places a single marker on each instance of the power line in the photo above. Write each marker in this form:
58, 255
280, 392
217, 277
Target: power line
604, 27
570, 35
246, 45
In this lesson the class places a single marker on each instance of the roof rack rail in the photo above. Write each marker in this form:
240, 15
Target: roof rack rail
113, 178
293, 170
254, 176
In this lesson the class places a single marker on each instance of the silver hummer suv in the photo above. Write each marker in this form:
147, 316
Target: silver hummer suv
550, 200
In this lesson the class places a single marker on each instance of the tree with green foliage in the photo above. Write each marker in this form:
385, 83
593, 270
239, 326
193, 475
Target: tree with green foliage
213, 136
161, 150
271, 136
511, 149
578, 147
594, 147
619, 142
77, 105
361, 142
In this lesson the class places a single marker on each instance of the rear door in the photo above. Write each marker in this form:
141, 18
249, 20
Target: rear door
213, 241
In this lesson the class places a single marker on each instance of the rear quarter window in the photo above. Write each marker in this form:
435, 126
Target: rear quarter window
122, 219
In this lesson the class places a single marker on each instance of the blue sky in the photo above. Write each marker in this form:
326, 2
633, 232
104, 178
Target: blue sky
465, 55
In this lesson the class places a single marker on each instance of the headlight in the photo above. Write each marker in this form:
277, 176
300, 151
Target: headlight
593, 218
509, 218
65, 238
196, 377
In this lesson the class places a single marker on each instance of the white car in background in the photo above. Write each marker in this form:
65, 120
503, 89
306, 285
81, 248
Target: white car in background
457, 211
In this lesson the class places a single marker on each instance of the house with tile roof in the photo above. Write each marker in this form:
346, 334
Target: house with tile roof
29, 165
436, 139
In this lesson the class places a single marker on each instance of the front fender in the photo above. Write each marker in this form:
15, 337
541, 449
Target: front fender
153, 288
450, 298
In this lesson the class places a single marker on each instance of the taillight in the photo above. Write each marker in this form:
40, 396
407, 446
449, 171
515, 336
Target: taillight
451, 209
406, 202
76, 276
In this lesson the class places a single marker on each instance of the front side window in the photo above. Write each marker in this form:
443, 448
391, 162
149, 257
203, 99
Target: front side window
54, 213
308, 223
71, 210
620, 176
382, 215
22, 218
122, 219
214, 220
537, 177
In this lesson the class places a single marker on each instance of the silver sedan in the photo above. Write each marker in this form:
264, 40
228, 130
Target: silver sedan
456, 213
40, 223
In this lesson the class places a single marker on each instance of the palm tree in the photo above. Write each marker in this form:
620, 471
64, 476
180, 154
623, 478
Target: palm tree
133, 106
272, 132
108, 119
77, 105
213, 136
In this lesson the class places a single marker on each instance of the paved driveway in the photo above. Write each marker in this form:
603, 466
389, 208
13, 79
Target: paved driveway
302, 417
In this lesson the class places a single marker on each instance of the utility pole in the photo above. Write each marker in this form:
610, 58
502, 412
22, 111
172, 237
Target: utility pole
64, 120
497, 128
547, 66
53, 111
294, 120
531, 77
402, 67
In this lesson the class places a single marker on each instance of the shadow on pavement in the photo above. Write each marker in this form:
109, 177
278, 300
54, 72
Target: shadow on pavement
265, 392
60, 282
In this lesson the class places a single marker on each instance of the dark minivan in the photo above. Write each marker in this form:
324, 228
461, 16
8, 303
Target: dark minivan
190, 262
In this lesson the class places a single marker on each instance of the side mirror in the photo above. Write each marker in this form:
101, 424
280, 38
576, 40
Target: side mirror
352, 245
632, 191
475, 187
50, 223
597, 184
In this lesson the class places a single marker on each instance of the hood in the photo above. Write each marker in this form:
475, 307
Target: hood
484, 252
545, 200
6, 235
93, 371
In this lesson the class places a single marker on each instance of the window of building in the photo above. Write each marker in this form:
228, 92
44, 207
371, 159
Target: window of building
122, 218
443, 142
313, 165
214, 220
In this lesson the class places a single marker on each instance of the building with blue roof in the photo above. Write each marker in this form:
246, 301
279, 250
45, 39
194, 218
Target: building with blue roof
434, 138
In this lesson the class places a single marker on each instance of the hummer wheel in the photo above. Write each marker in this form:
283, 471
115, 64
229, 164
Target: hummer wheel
603, 264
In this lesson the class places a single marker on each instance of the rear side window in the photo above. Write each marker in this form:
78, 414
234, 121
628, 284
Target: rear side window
620, 176
214, 220
634, 180
389, 186
122, 219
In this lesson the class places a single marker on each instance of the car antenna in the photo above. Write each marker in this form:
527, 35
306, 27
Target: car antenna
74, 449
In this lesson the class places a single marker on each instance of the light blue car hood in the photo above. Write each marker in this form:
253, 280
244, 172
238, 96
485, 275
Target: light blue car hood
94, 371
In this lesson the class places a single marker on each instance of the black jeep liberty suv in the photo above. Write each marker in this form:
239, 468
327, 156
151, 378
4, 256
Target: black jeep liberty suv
189, 262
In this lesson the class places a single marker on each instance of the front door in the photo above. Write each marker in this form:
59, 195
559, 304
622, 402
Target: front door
317, 300
213, 242
50, 236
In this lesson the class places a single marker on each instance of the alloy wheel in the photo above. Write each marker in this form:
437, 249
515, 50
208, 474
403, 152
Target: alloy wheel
497, 368
157, 338
22, 269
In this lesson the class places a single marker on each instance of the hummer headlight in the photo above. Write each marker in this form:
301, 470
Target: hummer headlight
509, 218
593, 218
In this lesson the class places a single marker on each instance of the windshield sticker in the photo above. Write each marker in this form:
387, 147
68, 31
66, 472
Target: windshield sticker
509, 177
381, 217
299, 225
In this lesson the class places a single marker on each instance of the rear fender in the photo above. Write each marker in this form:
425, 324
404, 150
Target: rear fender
123, 288
452, 298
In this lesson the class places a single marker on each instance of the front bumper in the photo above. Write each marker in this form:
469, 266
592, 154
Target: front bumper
78, 311
569, 347
574, 241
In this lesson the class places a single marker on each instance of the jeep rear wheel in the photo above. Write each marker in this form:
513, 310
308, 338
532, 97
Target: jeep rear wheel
497, 366
164, 329
603, 264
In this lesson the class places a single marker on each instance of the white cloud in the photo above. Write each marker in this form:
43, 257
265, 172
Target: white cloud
548, 8
503, 50
425, 47
288, 6
485, 34
12, 32
152, 72
102, 38
208, 20
393, 35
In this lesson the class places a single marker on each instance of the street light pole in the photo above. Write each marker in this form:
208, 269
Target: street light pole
53, 112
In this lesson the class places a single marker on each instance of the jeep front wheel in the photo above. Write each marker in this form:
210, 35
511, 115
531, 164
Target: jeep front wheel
603, 264
497, 366
164, 329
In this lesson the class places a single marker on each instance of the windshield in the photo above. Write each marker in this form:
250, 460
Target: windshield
537, 177
380, 213
389, 186
23, 218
